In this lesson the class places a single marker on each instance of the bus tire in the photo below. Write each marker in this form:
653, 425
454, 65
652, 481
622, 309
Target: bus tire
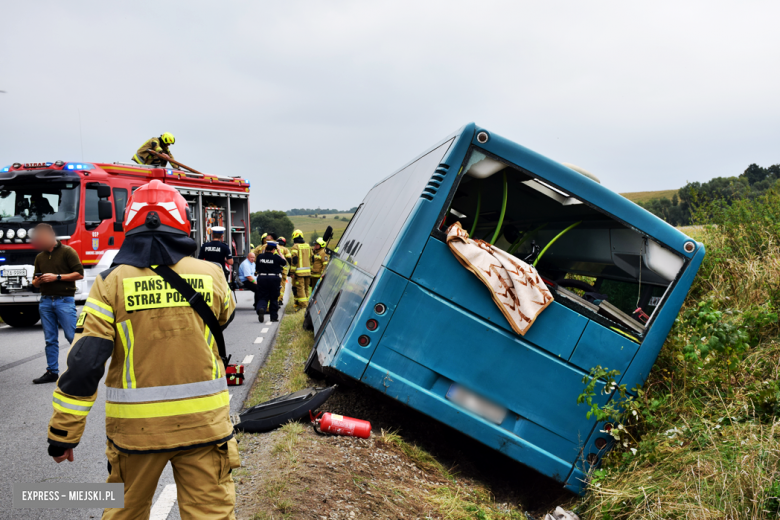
307, 323
21, 316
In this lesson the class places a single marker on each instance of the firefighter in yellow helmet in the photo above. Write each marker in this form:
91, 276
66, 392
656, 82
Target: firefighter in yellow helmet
264, 239
281, 243
166, 393
319, 262
158, 144
300, 268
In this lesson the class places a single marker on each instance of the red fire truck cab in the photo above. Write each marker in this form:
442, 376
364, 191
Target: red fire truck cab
84, 202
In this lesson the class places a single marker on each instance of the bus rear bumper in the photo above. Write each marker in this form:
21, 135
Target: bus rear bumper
445, 411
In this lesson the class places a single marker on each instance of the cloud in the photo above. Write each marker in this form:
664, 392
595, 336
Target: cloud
316, 101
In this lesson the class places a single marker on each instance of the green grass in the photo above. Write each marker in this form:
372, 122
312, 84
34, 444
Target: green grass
292, 347
309, 225
702, 439
644, 196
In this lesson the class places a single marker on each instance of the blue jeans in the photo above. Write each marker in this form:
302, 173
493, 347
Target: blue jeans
56, 310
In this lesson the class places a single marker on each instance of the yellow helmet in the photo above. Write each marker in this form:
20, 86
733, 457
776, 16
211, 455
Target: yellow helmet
321, 242
297, 233
262, 238
168, 138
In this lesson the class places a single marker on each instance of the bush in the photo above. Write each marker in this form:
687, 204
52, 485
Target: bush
702, 439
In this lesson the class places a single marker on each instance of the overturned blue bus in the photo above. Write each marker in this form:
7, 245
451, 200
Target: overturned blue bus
398, 312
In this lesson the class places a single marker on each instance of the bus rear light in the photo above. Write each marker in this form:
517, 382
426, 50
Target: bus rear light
364, 340
380, 308
601, 443
372, 324
608, 427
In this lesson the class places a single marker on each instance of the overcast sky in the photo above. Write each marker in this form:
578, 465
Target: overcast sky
316, 101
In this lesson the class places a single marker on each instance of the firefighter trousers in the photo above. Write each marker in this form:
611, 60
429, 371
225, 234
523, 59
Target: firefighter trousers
300, 290
313, 279
204, 485
268, 295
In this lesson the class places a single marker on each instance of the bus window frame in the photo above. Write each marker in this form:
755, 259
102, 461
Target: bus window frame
442, 235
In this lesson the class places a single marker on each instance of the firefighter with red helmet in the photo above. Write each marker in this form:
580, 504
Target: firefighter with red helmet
158, 144
166, 394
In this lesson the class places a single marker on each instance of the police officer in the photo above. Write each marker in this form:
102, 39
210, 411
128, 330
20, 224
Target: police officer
158, 144
319, 261
217, 251
166, 393
300, 268
269, 267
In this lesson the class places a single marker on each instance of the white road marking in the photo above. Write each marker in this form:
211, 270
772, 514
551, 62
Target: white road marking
230, 396
162, 508
248, 359
258, 340
264, 330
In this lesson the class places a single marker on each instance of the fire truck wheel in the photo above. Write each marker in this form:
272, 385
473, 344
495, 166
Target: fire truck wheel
22, 316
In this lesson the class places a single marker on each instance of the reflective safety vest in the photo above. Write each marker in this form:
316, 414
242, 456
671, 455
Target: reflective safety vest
142, 156
165, 387
301, 267
319, 261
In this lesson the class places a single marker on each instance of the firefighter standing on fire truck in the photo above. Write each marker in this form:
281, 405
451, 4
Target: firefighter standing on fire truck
300, 268
319, 261
158, 144
166, 394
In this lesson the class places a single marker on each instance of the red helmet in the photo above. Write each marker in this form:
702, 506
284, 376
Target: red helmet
157, 207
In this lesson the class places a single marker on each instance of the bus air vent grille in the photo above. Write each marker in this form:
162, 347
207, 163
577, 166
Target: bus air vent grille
435, 183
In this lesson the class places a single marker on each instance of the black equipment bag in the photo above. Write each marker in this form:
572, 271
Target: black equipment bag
276, 412
198, 304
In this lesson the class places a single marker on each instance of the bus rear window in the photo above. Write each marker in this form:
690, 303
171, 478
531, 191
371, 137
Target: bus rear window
595, 264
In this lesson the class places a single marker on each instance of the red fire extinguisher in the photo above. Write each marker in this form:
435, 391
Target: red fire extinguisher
335, 424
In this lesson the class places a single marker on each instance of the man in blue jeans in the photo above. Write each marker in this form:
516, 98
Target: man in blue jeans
57, 267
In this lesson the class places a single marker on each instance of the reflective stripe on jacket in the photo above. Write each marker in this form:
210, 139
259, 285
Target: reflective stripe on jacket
301, 260
165, 387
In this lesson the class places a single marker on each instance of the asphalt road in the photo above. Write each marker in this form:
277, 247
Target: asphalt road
26, 409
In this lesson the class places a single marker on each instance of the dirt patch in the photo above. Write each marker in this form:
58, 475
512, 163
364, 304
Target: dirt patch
411, 467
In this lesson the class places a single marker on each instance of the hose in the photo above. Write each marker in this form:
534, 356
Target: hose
503, 212
551, 242
479, 206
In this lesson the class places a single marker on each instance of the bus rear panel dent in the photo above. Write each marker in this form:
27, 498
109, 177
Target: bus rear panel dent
399, 313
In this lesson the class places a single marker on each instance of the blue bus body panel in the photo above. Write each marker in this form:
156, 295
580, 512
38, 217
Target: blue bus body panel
556, 330
442, 327
463, 348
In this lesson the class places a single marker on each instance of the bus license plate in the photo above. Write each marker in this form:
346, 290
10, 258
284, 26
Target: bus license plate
477, 404
13, 272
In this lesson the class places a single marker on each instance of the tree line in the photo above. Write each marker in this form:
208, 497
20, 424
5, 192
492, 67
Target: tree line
754, 182
318, 211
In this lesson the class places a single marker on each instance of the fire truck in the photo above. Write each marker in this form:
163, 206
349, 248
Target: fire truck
84, 203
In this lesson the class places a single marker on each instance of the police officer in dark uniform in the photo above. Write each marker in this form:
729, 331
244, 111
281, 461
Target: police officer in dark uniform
269, 265
217, 251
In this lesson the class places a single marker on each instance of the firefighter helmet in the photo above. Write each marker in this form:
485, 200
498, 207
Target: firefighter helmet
281, 241
297, 233
321, 242
168, 138
159, 208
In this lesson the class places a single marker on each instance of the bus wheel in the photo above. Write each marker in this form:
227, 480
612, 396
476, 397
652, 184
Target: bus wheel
307, 323
312, 368
21, 316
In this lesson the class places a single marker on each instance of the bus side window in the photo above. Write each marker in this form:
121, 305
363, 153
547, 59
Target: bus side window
120, 201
